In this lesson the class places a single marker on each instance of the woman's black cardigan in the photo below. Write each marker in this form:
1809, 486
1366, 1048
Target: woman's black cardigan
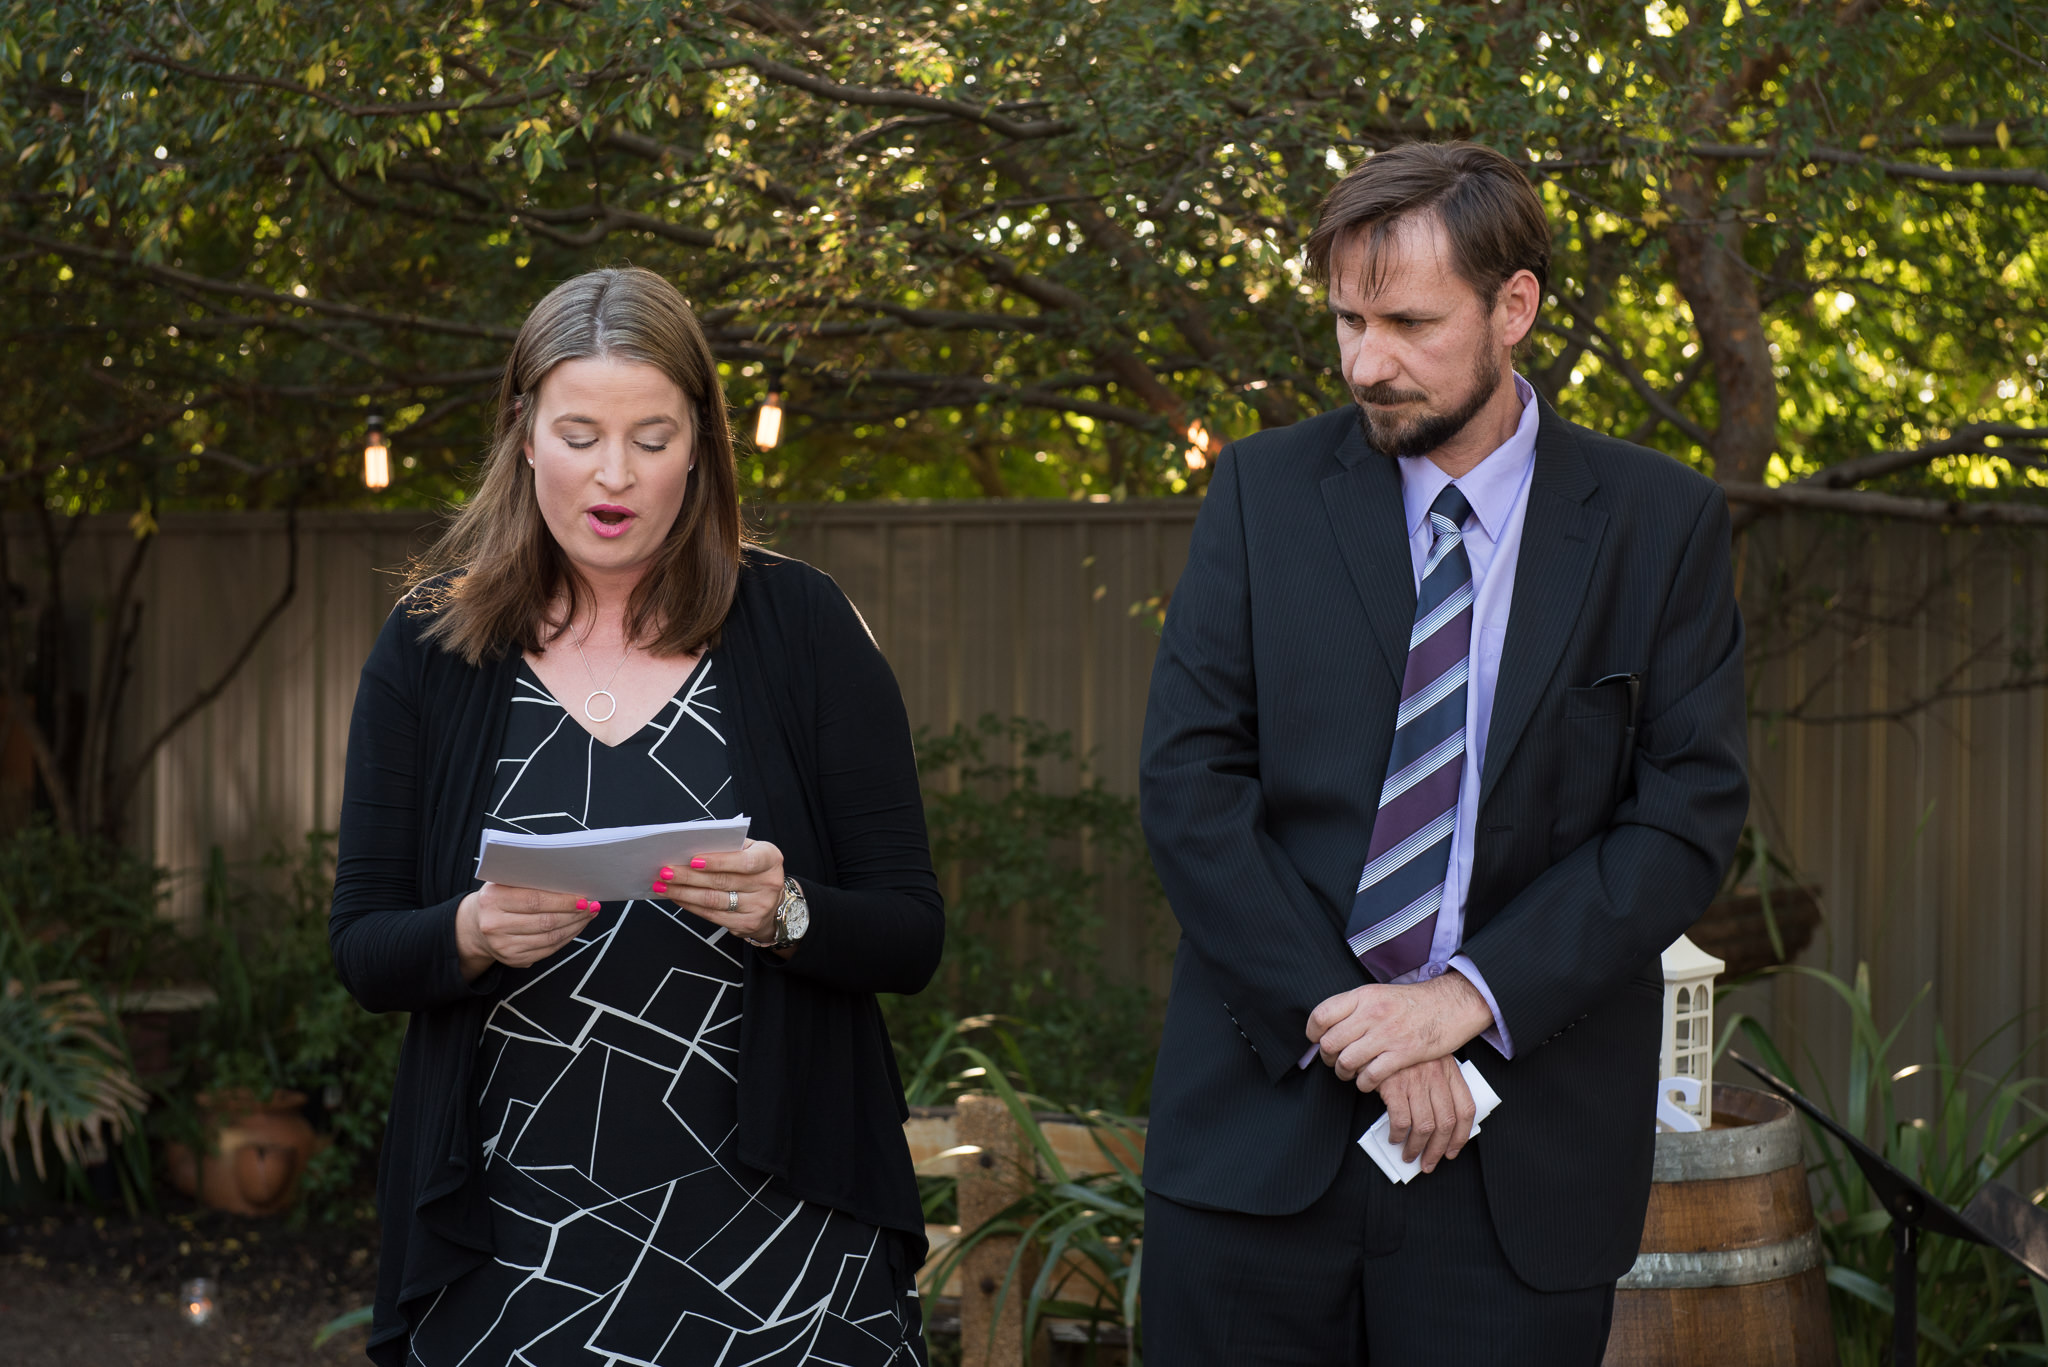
821, 761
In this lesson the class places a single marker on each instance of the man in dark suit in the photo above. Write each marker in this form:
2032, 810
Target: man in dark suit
1445, 744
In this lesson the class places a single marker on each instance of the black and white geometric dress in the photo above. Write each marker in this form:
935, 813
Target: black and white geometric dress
626, 1229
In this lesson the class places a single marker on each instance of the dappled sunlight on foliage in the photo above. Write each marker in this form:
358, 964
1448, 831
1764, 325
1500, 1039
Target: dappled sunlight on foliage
985, 249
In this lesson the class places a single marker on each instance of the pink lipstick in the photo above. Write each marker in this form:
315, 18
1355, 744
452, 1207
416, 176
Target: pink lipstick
608, 519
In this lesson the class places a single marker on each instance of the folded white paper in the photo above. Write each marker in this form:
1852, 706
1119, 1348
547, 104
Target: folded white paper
1387, 1154
612, 864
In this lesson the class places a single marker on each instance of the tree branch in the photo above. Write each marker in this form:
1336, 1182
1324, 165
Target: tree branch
1658, 403
414, 321
1966, 441
953, 319
1914, 705
1647, 428
969, 389
606, 220
341, 106
1869, 504
1835, 156
906, 99
124, 788
103, 698
18, 715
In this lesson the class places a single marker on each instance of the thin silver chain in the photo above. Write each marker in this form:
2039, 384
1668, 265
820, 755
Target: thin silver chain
607, 688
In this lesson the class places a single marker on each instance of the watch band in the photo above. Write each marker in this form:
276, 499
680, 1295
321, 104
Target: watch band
782, 938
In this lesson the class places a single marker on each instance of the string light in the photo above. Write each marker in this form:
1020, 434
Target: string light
376, 456
768, 428
1197, 455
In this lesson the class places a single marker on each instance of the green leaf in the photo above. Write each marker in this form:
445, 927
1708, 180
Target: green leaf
341, 1324
1867, 1290
1868, 1223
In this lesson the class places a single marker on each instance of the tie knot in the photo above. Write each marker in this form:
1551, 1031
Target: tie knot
1451, 506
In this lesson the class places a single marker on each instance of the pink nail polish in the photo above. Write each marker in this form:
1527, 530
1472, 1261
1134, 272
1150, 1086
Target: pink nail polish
698, 863
667, 873
582, 905
661, 889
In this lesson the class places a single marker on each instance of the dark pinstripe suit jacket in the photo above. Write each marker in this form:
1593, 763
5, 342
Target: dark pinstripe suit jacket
1271, 715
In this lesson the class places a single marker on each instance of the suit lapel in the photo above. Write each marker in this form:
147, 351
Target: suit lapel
1364, 503
1560, 543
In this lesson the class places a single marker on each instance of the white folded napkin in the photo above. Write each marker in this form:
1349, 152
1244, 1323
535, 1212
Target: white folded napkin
1387, 1154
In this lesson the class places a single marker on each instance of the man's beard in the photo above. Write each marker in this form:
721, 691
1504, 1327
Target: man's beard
1418, 436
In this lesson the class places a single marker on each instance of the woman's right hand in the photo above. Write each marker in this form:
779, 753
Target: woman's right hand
515, 926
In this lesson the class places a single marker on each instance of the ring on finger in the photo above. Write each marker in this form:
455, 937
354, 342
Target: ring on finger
732, 900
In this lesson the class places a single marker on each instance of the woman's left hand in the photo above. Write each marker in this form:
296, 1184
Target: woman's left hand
705, 885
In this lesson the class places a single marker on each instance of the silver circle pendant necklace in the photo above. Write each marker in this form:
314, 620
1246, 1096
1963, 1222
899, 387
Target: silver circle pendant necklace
604, 692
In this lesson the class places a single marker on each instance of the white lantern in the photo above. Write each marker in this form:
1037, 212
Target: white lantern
1689, 1023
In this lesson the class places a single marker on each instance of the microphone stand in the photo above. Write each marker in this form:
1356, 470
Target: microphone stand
1996, 1217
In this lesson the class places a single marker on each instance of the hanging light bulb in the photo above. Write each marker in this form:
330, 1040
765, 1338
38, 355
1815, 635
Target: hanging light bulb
768, 428
376, 456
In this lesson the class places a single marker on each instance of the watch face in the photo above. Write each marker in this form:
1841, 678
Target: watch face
798, 916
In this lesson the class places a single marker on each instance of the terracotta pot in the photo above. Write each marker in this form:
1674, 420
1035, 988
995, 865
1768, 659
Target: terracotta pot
258, 1152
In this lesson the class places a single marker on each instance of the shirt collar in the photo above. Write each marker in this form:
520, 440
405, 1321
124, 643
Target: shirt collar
1490, 486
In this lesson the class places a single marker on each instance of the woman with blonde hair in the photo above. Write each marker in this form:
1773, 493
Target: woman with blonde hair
666, 1130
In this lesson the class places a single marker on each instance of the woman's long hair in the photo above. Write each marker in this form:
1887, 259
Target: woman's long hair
493, 578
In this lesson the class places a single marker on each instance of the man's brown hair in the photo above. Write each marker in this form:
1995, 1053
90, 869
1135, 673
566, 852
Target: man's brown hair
495, 576
1492, 218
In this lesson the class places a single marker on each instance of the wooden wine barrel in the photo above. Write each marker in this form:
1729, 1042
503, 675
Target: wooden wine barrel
1730, 1269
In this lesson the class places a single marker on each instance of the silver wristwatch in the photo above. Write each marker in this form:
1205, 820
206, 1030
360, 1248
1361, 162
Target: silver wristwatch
792, 918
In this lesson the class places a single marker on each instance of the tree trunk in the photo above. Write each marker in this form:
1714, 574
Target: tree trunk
984, 465
1707, 262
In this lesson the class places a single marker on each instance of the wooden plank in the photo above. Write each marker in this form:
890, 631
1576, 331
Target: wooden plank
934, 1130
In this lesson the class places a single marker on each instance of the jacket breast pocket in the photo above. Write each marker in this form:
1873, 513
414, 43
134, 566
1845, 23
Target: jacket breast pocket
1588, 765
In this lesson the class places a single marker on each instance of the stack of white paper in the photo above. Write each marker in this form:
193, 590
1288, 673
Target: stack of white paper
611, 864
1387, 1154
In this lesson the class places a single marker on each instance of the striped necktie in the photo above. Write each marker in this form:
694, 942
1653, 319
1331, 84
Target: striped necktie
1394, 917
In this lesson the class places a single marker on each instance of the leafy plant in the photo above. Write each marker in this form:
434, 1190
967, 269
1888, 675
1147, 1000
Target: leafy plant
82, 907
78, 923
1975, 1306
342, 1323
1103, 205
1025, 868
282, 1020
1079, 1237
64, 1074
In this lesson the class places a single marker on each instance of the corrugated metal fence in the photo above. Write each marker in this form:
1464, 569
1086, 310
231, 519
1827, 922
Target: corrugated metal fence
1899, 764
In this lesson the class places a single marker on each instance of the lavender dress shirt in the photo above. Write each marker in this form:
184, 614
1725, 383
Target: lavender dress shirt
1498, 490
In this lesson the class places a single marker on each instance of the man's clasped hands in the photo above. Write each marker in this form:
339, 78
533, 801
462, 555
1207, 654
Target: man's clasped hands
1399, 1041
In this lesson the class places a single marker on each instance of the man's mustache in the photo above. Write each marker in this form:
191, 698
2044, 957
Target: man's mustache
1386, 394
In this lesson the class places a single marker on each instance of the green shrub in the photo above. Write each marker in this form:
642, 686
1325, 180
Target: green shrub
283, 1020
66, 1085
1010, 857
78, 924
1975, 1305
82, 907
1089, 1227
